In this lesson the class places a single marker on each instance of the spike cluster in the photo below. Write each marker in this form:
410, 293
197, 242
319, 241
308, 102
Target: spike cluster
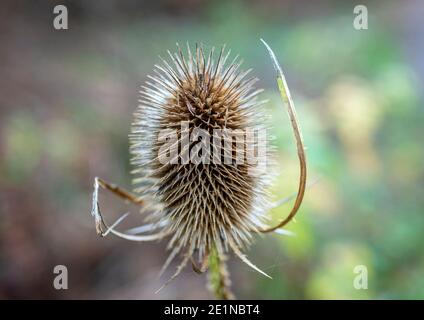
200, 207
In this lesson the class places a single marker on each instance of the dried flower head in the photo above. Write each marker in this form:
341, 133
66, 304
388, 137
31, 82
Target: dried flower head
202, 159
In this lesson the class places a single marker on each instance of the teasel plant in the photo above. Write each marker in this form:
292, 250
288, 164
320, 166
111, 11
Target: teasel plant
205, 211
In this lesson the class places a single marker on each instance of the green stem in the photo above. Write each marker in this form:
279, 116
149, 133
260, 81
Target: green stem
219, 278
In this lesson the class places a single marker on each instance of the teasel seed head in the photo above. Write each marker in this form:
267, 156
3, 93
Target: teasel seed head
201, 206
204, 208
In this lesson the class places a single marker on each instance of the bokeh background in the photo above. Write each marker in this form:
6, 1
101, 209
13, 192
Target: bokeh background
66, 103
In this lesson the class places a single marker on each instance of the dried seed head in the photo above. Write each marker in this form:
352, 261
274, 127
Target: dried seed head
205, 207
219, 201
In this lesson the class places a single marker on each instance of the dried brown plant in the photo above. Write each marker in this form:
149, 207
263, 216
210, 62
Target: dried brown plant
203, 209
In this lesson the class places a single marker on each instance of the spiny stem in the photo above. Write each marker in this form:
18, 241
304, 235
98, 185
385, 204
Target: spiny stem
219, 278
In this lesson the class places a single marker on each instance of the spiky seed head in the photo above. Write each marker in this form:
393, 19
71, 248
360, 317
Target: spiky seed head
201, 205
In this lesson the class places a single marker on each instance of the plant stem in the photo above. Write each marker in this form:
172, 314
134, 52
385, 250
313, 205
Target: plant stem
218, 277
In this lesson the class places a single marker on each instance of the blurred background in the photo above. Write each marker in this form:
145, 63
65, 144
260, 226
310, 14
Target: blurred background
66, 103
